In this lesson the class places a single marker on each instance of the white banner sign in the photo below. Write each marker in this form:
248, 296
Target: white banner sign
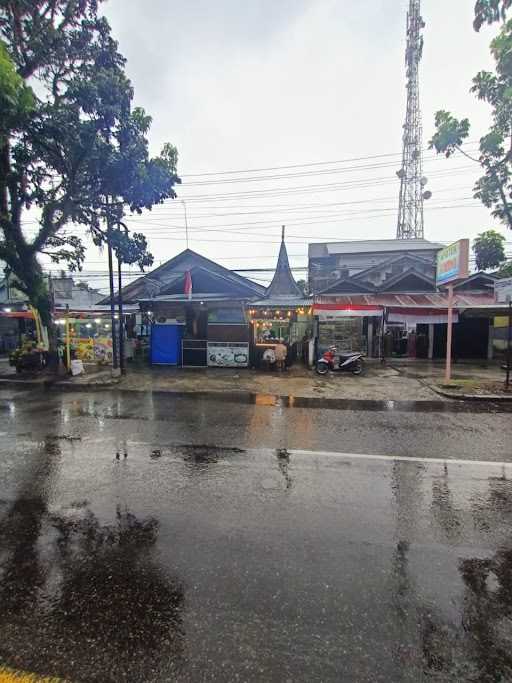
418, 319
327, 315
503, 289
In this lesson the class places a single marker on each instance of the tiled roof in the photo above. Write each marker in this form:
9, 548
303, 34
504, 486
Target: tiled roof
371, 246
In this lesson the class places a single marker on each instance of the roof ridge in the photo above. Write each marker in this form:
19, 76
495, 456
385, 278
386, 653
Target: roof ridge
283, 282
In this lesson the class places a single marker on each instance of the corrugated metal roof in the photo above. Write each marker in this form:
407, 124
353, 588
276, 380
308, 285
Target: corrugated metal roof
371, 246
434, 300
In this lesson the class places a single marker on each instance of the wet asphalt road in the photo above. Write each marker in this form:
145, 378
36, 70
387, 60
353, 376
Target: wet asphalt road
243, 542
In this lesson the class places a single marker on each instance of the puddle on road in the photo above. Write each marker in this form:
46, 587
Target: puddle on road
290, 401
196, 453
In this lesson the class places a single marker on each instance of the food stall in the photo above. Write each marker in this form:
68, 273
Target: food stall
86, 335
291, 324
284, 313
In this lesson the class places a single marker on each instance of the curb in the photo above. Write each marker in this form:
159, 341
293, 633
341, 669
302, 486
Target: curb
51, 383
67, 385
470, 397
29, 383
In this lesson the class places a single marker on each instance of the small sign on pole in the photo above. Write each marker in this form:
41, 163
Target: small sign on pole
503, 289
452, 265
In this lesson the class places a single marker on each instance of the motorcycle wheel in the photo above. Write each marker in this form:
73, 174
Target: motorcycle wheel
322, 368
358, 367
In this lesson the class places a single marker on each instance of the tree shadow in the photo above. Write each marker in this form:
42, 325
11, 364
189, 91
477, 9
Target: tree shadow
106, 611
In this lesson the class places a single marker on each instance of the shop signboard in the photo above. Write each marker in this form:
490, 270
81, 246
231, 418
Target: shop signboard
84, 348
228, 354
103, 349
503, 290
453, 263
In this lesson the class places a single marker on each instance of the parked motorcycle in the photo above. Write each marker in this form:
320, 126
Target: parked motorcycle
345, 362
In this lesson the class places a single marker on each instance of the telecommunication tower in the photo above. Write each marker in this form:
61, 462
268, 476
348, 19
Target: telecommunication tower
412, 181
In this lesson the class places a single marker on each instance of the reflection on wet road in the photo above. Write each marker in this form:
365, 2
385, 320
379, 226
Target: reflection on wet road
196, 540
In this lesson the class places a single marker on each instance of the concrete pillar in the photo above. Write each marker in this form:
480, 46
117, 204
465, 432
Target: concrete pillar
370, 337
490, 345
431, 329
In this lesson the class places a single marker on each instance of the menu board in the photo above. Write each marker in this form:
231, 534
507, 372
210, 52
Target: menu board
228, 354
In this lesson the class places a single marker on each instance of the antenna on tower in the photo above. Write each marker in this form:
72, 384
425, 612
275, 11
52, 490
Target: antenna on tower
412, 180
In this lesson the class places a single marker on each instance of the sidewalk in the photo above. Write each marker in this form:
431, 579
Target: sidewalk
470, 380
397, 380
378, 383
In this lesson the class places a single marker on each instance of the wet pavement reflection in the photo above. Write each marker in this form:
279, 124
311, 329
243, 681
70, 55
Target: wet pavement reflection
149, 550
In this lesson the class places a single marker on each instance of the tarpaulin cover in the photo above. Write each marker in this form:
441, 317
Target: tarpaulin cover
166, 344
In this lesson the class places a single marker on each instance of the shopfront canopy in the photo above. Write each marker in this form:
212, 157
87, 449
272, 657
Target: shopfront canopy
411, 308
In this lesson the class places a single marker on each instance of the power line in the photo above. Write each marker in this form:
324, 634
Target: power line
321, 187
311, 163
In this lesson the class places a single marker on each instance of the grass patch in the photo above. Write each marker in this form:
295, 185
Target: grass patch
11, 676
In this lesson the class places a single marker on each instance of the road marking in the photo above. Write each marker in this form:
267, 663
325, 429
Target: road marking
12, 676
404, 458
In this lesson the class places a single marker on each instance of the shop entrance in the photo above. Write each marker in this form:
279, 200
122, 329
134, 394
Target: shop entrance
345, 333
195, 339
470, 339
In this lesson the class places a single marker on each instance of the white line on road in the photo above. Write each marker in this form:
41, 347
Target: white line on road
404, 458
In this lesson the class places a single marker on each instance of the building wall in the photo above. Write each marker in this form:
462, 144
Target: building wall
326, 270
228, 333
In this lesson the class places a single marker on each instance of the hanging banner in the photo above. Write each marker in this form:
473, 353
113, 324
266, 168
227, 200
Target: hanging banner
326, 312
453, 263
427, 318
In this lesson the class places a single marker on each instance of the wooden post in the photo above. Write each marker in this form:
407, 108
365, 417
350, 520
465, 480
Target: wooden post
431, 333
370, 337
449, 334
122, 363
509, 344
490, 342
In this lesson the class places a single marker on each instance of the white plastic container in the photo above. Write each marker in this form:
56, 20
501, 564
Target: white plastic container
77, 367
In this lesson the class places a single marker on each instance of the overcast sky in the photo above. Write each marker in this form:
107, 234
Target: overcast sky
268, 83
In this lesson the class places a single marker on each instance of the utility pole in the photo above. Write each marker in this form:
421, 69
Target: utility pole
122, 363
115, 370
412, 182
186, 221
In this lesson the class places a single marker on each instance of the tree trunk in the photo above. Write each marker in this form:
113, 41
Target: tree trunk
33, 283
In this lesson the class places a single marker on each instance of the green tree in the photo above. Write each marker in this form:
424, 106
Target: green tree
489, 11
75, 153
494, 188
505, 270
489, 249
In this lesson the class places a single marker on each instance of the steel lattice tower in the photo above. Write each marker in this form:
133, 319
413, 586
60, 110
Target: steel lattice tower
410, 212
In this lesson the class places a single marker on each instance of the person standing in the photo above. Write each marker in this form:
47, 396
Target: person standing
281, 352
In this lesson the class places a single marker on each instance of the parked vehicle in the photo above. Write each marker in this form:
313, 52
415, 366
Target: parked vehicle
28, 358
344, 362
